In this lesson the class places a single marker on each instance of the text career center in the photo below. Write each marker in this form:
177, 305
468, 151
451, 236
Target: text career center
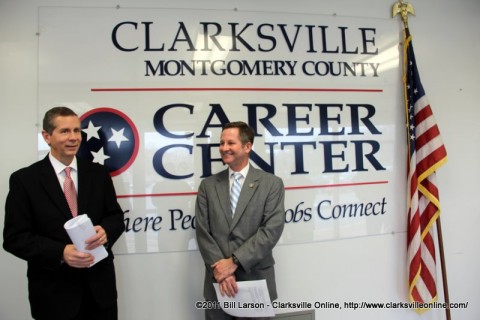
339, 138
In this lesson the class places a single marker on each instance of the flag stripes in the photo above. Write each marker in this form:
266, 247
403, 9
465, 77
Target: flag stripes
426, 153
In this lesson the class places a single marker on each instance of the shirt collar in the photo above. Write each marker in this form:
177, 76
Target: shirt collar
244, 171
59, 167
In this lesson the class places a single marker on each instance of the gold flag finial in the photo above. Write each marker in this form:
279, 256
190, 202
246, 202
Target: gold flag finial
404, 8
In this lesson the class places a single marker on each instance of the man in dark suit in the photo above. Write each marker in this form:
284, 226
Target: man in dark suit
236, 242
62, 282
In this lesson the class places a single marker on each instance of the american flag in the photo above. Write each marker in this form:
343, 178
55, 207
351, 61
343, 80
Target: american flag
426, 153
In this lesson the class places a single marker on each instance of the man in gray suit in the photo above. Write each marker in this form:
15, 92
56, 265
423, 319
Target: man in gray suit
237, 246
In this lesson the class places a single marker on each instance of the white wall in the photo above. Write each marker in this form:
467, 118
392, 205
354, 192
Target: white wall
153, 286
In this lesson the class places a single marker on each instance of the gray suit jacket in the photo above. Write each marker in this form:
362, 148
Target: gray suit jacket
252, 233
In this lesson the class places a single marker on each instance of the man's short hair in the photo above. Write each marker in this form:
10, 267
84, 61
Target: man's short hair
50, 115
244, 131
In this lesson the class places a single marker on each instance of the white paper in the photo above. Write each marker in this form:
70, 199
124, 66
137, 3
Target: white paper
251, 300
80, 229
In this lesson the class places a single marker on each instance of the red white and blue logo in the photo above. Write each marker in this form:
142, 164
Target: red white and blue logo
110, 138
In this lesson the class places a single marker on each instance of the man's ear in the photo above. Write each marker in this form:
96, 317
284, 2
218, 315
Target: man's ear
46, 136
248, 147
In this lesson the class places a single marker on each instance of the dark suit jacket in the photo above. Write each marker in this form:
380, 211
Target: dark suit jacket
35, 212
252, 233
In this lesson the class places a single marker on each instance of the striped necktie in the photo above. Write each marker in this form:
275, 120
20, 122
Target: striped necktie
235, 192
70, 193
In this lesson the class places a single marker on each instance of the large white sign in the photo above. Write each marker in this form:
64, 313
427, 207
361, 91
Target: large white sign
154, 86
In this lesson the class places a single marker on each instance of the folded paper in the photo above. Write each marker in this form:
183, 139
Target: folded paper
80, 229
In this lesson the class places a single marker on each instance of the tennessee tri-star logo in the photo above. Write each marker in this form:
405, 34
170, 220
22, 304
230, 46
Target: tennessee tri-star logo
110, 138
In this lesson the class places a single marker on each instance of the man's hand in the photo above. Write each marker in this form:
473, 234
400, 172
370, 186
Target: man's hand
97, 240
75, 258
223, 269
229, 286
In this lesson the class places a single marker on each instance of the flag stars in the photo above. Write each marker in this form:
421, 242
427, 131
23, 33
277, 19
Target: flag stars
91, 131
411, 129
118, 137
100, 156
109, 138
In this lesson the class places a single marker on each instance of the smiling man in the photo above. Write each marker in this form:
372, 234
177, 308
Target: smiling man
62, 282
240, 217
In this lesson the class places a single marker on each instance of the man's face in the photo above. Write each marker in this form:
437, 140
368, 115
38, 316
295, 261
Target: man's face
233, 153
65, 139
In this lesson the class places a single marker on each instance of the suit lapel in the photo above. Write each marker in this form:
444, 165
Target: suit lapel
223, 194
248, 190
84, 184
53, 189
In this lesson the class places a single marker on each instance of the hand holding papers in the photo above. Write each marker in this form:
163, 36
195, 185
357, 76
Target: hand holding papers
80, 229
252, 300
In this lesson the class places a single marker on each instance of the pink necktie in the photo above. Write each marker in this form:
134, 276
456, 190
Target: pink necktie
70, 193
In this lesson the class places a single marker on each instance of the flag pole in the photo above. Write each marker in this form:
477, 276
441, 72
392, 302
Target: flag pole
405, 8
444, 268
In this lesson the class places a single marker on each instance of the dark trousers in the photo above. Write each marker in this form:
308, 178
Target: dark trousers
89, 310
